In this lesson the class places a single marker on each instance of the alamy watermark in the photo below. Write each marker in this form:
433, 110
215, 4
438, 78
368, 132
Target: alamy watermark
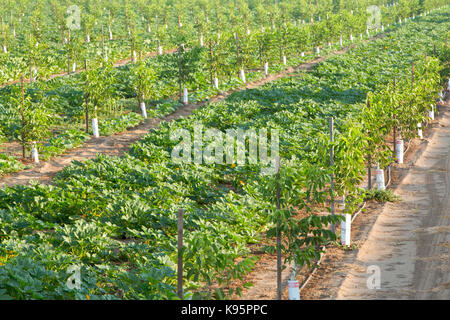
374, 280
374, 17
73, 21
74, 281
210, 145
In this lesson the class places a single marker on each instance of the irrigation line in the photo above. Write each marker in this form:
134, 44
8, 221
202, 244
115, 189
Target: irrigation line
322, 254
314, 270
389, 175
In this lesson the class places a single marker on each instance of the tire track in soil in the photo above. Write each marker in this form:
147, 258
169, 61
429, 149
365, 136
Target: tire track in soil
118, 144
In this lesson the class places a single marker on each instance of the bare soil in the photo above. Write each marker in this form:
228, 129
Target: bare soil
408, 240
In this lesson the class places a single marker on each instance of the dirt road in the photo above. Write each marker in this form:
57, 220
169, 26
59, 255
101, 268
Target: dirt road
410, 240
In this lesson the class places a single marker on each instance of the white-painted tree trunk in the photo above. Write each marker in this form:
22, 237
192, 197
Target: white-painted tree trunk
143, 109
95, 128
380, 178
34, 153
431, 112
294, 290
346, 226
399, 150
185, 96
243, 76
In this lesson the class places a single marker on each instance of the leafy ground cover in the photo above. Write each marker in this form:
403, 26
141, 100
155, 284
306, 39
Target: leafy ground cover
116, 217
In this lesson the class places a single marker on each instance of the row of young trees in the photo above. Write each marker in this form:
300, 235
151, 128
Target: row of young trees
400, 109
215, 54
75, 30
395, 109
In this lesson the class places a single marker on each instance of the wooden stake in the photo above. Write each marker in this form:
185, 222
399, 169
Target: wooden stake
331, 125
103, 44
279, 291
23, 116
394, 128
180, 254
210, 62
86, 97
31, 74
68, 52
369, 161
180, 75
237, 52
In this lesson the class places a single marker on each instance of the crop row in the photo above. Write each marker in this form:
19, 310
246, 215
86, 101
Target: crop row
43, 37
105, 92
116, 217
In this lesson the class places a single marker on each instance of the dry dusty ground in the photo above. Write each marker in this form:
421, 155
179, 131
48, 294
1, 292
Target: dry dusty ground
408, 240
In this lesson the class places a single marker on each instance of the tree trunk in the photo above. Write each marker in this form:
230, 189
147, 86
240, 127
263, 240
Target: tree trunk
87, 101
180, 80
23, 117
211, 61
